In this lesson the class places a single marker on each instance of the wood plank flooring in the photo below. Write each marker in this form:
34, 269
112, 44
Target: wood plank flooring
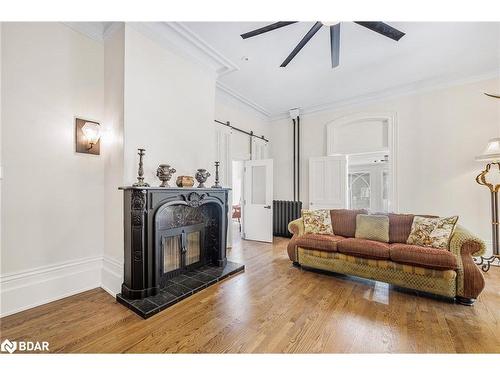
271, 308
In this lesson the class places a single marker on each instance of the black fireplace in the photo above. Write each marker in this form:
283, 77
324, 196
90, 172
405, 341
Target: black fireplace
175, 245
181, 249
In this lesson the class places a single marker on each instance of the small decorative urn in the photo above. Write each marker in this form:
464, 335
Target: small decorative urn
185, 181
164, 173
201, 176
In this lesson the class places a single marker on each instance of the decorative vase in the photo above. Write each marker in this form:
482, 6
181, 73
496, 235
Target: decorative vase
185, 181
201, 176
164, 173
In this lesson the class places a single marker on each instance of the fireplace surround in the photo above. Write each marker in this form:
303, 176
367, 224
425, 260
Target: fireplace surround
175, 245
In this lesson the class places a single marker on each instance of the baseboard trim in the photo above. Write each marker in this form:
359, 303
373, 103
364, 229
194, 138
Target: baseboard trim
23, 290
111, 277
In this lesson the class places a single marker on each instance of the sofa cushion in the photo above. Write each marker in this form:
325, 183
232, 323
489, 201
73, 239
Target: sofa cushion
372, 227
322, 242
344, 221
317, 221
428, 257
364, 248
432, 232
399, 227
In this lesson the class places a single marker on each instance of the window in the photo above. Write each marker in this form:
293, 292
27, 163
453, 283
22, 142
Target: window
359, 190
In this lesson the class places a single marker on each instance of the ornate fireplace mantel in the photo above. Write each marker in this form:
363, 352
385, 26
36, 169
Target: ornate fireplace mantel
146, 211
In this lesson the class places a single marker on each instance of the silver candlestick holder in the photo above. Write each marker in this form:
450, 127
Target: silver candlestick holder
216, 185
140, 173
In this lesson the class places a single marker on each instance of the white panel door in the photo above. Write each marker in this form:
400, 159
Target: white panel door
258, 200
328, 182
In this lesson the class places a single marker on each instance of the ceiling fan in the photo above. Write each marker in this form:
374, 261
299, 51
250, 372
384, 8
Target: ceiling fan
379, 27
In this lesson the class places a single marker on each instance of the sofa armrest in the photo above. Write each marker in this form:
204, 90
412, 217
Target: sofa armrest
470, 280
295, 227
464, 242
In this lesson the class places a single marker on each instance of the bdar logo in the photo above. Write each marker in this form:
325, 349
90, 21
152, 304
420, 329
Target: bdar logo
8, 346
24, 346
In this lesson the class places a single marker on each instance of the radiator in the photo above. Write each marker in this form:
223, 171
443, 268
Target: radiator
283, 213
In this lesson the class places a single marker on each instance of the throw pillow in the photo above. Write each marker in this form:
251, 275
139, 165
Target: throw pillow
432, 232
372, 227
317, 221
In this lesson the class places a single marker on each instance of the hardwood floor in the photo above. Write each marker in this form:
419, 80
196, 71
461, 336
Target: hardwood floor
272, 307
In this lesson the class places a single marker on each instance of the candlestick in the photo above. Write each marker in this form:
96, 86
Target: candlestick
140, 172
216, 185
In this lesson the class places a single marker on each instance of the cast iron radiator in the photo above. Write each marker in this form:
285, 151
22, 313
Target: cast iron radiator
283, 213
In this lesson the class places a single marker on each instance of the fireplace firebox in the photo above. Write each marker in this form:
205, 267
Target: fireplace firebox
175, 245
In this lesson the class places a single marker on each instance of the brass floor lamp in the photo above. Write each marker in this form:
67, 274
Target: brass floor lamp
491, 154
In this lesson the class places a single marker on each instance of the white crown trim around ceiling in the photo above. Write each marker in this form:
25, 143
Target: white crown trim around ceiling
225, 65
179, 39
173, 35
111, 28
93, 30
233, 94
182, 40
398, 91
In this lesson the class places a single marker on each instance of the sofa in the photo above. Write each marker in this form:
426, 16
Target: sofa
447, 272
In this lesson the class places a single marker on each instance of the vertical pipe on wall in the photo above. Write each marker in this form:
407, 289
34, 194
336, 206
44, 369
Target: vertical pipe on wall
294, 177
298, 158
251, 156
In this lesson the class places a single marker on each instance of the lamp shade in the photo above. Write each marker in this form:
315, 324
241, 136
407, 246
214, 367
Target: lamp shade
491, 152
91, 131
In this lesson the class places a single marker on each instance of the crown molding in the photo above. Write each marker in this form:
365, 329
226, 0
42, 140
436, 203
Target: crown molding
419, 87
175, 36
110, 29
179, 39
224, 64
93, 30
233, 94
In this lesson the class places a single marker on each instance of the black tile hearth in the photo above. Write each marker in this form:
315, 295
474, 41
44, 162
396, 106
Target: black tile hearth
180, 287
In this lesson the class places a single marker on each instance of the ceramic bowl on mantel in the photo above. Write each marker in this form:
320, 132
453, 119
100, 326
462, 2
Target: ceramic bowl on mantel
185, 181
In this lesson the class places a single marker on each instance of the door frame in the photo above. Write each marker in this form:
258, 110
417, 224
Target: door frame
372, 170
246, 191
392, 142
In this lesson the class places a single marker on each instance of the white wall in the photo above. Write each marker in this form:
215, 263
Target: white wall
62, 214
1, 173
112, 145
169, 110
439, 134
157, 100
52, 197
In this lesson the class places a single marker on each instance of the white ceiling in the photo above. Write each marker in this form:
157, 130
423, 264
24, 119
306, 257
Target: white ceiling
429, 54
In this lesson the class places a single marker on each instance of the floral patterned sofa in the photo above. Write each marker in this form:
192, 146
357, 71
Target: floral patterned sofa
447, 272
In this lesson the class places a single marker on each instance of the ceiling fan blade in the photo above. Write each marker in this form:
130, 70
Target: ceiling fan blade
267, 28
491, 95
335, 44
302, 43
382, 28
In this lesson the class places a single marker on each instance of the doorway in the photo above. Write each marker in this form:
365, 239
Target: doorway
368, 143
368, 182
237, 201
252, 194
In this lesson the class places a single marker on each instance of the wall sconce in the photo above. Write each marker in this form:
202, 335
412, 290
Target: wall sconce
88, 134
